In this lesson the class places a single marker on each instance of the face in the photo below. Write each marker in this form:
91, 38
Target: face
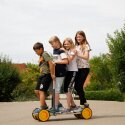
79, 39
55, 45
39, 51
67, 45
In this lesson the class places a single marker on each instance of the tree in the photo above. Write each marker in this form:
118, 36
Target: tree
9, 79
116, 46
101, 74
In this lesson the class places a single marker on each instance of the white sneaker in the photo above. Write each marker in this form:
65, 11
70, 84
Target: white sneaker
79, 109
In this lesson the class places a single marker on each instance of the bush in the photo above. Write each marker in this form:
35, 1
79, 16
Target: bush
9, 79
25, 90
109, 95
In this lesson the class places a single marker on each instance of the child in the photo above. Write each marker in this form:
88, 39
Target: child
71, 72
46, 73
83, 49
60, 59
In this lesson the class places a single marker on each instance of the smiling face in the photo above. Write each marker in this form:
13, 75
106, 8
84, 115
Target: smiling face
80, 39
67, 45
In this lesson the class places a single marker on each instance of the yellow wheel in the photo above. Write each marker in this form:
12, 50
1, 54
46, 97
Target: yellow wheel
35, 113
43, 115
86, 113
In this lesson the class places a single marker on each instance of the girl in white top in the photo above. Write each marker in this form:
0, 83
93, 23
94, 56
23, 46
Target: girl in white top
83, 49
68, 45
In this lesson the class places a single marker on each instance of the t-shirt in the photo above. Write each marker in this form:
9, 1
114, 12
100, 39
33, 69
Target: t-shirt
60, 69
72, 66
82, 63
44, 66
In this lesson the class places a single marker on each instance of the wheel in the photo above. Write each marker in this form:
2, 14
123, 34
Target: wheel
86, 113
35, 113
77, 115
43, 115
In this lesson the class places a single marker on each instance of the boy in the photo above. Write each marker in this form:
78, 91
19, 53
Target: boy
60, 59
47, 73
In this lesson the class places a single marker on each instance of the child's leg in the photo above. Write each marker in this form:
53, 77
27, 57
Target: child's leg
59, 82
37, 93
70, 101
42, 98
56, 100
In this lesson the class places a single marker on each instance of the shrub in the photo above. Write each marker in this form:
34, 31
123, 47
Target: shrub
109, 95
25, 90
9, 79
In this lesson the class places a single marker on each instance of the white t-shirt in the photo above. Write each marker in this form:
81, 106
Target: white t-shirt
72, 66
82, 63
57, 57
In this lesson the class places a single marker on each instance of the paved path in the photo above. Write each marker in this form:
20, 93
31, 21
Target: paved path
104, 113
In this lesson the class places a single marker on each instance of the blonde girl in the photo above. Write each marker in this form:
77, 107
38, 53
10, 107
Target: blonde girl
71, 72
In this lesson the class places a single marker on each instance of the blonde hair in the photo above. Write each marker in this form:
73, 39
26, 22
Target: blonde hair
55, 39
70, 41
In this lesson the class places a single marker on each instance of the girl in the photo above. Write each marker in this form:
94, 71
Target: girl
83, 49
60, 59
68, 45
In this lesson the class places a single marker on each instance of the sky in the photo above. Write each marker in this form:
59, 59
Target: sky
25, 22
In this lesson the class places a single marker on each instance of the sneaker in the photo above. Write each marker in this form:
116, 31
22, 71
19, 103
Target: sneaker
52, 110
86, 105
44, 107
78, 109
68, 110
60, 105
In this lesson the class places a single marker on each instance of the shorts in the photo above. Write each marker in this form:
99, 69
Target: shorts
59, 82
69, 80
43, 82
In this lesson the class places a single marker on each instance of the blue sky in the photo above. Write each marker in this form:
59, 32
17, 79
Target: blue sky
24, 22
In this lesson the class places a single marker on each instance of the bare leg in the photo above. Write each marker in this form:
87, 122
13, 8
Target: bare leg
42, 98
56, 99
37, 93
70, 101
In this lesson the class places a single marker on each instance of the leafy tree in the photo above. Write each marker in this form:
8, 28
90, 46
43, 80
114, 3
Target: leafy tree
116, 46
25, 90
9, 79
101, 74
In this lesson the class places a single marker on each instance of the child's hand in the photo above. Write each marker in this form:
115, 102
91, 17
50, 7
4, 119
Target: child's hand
53, 76
62, 49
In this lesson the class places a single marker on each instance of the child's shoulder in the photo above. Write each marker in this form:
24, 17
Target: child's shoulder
59, 51
45, 53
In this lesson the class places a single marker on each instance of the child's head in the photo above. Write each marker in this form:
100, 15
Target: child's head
55, 42
80, 38
38, 48
68, 44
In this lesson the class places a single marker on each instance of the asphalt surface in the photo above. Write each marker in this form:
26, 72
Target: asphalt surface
104, 113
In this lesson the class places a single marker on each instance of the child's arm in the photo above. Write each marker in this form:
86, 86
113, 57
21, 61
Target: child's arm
63, 61
52, 68
85, 55
72, 56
